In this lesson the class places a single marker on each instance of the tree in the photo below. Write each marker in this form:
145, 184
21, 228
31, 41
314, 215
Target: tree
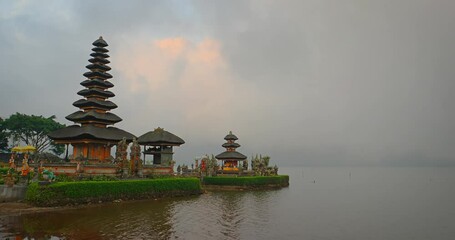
3, 136
33, 130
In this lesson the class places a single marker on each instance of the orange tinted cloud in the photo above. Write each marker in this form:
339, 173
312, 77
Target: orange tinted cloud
192, 77
173, 47
206, 52
150, 65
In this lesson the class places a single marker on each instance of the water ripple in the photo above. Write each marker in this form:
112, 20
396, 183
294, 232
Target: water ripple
215, 215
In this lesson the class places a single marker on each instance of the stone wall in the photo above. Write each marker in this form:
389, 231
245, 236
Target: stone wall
70, 169
157, 170
10, 194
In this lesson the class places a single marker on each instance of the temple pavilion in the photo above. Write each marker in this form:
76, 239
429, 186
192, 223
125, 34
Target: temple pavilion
159, 144
92, 135
230, 158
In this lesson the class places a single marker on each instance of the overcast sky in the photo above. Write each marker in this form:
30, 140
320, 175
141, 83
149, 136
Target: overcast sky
353, 82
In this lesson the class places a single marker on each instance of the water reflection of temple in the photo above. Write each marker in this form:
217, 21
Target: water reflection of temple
136, 220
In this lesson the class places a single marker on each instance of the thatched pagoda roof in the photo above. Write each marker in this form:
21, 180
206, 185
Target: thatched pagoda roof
101, 75
100, 42
94, 103
98, 67
231, 145
95, 92
230, 155
100, 49
160, 137
99, 60
75, 132
108, 118
97, 82
230, 136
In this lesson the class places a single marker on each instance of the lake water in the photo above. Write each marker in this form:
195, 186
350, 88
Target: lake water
320, 203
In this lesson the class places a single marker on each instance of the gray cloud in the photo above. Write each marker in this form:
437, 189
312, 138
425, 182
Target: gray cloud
313, 82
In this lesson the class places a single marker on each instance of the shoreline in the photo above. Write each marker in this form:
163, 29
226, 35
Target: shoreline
22, 208
243, 187
76, 195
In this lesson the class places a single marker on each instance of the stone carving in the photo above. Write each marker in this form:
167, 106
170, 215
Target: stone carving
260, 166
214, 165
11, 162
120, 152
245, 165
9, 179
79, 167
184, 169
25, 168
121, 157
48, 175
208, 166
135, 159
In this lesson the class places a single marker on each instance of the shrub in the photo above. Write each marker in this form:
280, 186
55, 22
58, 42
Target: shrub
84, 191
102, 178
160, 176
64, 178
67, 178
39, 195
3, 171
281, 180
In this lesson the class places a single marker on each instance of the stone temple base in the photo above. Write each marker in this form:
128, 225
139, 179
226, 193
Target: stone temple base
157, 170
14, 193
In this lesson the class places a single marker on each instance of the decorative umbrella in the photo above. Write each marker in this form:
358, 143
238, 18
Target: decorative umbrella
17, 149
29, 148
23, 149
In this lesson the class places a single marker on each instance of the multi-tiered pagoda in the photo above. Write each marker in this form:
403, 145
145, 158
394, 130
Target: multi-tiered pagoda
230, 157
91, 137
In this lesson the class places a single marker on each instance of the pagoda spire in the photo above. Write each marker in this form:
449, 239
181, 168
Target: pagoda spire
94, 107
230, 145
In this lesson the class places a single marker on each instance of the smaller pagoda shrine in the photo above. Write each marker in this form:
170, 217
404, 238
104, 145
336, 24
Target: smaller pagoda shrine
159, 143
230, 158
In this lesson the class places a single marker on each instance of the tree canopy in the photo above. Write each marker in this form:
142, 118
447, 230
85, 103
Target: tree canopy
32, 130
3, 136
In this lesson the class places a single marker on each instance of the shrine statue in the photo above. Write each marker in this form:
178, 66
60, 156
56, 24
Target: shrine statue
79, 167
12, 162
9, 179
25, 168
49, 175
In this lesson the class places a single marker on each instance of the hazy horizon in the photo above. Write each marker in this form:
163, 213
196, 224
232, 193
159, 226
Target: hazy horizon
309, 83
